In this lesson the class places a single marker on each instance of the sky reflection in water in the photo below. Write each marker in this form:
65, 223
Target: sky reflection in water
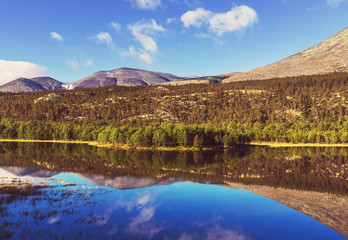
179, 210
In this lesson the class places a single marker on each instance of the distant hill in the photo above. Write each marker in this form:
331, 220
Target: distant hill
31, 85
120, 76
328, 56
123, 76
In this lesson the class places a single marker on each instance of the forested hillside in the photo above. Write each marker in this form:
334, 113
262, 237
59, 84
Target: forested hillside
296, 109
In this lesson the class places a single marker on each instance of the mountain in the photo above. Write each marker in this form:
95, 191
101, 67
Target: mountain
328, 56
24, 172
31, 85
122, 76
125, 182
48, 83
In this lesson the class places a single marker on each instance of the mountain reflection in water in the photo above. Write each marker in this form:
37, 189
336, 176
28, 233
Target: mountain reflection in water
156, 204
315, 169
180, 210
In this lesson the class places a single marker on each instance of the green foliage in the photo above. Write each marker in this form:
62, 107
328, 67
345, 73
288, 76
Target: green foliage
299, 109
198, 141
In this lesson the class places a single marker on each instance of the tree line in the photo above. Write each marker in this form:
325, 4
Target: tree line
223, 135
310, 109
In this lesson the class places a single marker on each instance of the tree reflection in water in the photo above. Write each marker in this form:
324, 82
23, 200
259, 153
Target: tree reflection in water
84, 209
317, 169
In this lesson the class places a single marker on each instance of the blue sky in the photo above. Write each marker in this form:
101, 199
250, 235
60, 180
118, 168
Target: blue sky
70, 39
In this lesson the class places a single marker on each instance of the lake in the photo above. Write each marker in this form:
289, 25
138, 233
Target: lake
72, 191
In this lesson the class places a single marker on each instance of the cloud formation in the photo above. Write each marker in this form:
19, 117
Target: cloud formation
144, 57
145, 33
73, 64
196, 18
146, 4
237, 19
116, 26
334, 3
11, 70
56, 36
105, 38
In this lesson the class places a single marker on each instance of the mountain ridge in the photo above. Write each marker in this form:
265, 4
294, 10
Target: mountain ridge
32, 85
330, 55
123, 76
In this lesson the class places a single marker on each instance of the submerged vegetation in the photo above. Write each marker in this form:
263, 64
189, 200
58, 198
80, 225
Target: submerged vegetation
307, 109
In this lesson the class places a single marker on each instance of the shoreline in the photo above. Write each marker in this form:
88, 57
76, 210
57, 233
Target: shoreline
279, 144
108, 145
126, 147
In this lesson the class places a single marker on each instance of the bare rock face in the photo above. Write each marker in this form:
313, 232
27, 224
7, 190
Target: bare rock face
31, 85
122, 76
328, 56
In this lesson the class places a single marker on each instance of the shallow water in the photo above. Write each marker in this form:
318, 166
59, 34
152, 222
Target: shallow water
100, 200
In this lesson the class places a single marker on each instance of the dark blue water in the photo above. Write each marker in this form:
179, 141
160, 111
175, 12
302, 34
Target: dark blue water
170, 210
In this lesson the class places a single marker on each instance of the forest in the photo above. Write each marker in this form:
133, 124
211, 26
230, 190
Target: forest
304, 109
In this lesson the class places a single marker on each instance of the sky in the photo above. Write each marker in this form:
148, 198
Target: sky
71, 39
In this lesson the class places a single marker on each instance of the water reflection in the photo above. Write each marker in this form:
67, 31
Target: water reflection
316, 169
180, 210
92, 192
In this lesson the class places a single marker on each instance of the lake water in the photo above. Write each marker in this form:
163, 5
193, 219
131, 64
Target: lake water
98, 193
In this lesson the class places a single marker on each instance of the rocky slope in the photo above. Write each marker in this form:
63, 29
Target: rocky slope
328, 56
122, 76
31, 85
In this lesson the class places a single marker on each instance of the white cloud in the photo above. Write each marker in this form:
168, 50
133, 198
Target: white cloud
144, 57
219, 233
73, 64
143, 32
89, 63
116, 26
237, 19
334, 3
196, 18
146, 4
143, 200
130, 53
11, 70
105, 38
56, 36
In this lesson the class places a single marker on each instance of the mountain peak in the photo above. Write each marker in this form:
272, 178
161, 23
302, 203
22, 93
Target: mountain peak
31, 85
328, 56
123, 76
